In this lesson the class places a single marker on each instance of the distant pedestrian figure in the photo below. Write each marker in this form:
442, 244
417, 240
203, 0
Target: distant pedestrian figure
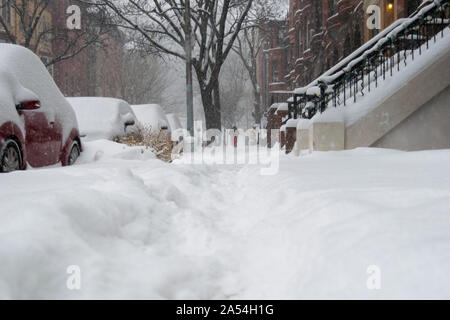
235, 137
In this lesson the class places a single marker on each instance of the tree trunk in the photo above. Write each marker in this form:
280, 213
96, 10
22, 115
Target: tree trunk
257, 113
212, 109
210, 98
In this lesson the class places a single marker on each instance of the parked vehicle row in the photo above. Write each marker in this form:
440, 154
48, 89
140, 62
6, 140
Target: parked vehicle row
40, 127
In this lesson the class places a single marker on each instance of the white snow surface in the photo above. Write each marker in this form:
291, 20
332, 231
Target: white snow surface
24, 73
102, 118
151, 115
174, 122
292, 123
141, 228
303, 124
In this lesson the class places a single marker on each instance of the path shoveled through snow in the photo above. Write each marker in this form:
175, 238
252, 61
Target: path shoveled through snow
141, 228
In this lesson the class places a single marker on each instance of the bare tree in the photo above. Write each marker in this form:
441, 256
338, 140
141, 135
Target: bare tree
143, 77
160, 25
248, 48
251, 39
233, 88
25, 24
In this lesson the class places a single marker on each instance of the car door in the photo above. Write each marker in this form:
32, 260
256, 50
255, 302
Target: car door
38, 139
54, 131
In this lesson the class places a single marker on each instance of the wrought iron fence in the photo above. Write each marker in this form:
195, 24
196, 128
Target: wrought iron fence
382, 56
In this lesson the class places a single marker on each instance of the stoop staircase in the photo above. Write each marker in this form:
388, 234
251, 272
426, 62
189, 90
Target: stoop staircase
394, 91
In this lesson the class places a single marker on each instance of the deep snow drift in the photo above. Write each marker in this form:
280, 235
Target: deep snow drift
141, 228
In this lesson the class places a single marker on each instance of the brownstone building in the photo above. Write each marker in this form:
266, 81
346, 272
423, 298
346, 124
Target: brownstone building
315, 36
272, 63
71, 74
95, 70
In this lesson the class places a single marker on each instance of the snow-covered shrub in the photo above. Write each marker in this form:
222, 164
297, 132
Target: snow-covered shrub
159, 141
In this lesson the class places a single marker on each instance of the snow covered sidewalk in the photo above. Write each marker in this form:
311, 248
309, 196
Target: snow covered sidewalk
141, 228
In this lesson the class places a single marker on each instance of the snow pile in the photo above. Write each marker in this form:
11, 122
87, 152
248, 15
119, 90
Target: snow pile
33, 75
291, 123
151, 115
102, 118
331, 115
303, 124
281, 105
141, 228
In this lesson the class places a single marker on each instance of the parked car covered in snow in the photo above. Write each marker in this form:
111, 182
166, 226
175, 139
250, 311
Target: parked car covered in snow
103, 118
174, 122
38, 127
151, 116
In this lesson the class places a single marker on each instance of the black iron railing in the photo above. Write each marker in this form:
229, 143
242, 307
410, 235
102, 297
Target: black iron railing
367, 67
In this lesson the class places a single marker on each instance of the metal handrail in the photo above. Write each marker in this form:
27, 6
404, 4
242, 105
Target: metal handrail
374, 60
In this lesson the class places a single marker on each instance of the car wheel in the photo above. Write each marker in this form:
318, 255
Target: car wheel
10, 157
74, 153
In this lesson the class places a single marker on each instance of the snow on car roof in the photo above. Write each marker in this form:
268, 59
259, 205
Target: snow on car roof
101, 118
151, 115
174, 121
33, 76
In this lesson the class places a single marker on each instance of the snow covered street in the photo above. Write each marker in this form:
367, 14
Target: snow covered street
141, 228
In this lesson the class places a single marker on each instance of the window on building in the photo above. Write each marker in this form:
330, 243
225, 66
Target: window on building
412, 6
336, 56
280, 37
308, 34
318, 16
292, 55
374, 32
300, 43
275, 71
357, 36
347, 46
287, 57
332, 7
7, 11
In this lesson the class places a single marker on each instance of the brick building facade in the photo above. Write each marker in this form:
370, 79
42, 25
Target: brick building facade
70, 75
94, 71
16, 30
107, 66
314, 37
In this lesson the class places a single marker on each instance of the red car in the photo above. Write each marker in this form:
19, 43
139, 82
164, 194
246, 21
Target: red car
38, 127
